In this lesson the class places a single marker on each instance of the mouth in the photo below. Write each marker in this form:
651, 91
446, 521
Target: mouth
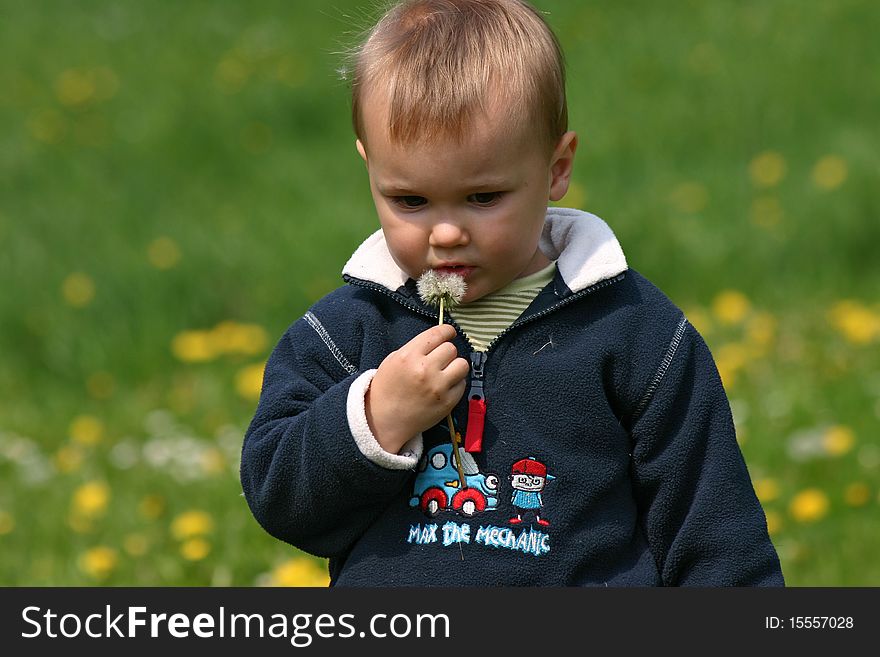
459, 270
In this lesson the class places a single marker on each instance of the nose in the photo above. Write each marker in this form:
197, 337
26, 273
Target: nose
448, 233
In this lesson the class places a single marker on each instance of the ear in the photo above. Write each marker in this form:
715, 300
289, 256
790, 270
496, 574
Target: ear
361, 149
562, 164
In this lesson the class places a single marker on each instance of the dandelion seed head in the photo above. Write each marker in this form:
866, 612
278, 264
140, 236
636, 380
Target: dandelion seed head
434, 287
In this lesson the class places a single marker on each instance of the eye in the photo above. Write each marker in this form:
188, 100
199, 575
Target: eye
409, 202
485, 198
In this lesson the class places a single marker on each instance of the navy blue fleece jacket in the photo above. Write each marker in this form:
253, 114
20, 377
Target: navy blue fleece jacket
608, 456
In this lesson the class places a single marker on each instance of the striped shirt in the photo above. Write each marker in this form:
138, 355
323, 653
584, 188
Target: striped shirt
486, 318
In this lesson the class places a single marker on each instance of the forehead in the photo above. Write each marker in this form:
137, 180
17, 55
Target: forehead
490, 142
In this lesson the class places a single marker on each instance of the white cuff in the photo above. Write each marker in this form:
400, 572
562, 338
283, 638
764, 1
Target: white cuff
409, 454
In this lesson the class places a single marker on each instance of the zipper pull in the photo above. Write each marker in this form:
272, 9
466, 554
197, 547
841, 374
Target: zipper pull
473, 440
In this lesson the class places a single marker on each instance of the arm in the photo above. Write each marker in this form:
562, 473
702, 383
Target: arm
699, 511
306, 478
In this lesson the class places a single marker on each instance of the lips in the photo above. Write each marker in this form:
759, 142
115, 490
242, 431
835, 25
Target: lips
461, 270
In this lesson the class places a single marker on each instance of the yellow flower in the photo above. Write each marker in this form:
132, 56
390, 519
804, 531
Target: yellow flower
191, 523
68, 459
767, 169
766, 212
857, 494
7, 523
86, 430
689, 197
729, 360
136, 544
761, 330
730, 307
213, 462
830, 172
249, 381
101, 385
809, 505
90, 500
195, 549
78, 289
75, 88
301, 571
774, 522
193, 346
151, 506
98, 562
234, 338
231, 75
48, 126
838, 440
700, 320
163, 253
857, 323
767, 490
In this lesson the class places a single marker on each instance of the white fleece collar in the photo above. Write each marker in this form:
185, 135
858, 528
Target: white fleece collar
583, 245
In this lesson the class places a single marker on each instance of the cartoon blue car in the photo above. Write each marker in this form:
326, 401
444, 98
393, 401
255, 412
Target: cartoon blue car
437, 486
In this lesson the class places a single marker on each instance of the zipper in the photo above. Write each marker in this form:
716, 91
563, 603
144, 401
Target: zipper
473, 441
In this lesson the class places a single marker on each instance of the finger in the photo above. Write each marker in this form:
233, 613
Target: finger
456, 371
426, 341
442, 355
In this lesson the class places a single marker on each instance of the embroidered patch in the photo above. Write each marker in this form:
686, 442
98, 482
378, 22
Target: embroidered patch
438, 486
528, 477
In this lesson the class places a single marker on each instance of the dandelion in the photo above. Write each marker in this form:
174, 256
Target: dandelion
234, 338
689, 197
163, 253
7, 523
151, 506
730, 307
249, 381
68, 459
193, 346
857, 323
857, 494
301, 571
767, 490
447, 290
48, 126
98, 562
766, 212
761, 331
838, 440
78, 290
90, 500
86, 430
191, 524
809, 505
213, 461
700, 320
767, 169
231, 75
195, 549
729, 360
774, 522
830, 172
75, 88
136, 545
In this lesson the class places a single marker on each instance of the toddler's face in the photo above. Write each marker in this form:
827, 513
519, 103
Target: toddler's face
476, 206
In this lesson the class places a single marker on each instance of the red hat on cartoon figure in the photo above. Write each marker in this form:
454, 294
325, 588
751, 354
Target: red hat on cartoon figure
529, 466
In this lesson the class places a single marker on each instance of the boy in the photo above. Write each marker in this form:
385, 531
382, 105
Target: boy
573, 363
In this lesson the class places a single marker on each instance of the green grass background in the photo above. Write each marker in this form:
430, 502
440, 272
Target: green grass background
224, 127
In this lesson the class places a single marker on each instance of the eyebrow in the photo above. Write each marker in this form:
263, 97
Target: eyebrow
402, 188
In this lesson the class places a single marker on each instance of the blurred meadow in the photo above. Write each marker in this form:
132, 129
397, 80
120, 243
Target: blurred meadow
178, 183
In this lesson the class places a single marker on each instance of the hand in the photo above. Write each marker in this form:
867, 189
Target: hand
415, 387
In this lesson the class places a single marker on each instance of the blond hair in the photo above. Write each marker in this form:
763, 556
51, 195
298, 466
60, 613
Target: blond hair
442, 62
